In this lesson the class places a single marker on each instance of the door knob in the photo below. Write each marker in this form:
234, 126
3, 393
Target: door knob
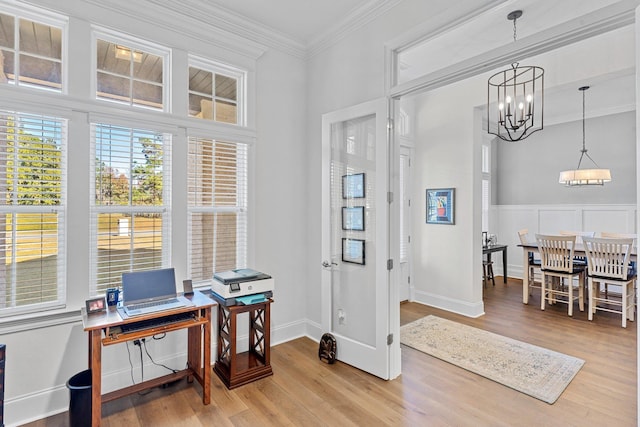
327, 264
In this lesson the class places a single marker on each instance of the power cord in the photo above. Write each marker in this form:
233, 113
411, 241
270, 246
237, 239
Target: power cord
153, 361
137, 343
140, 343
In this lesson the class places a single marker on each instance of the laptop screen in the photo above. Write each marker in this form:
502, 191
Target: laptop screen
148, 285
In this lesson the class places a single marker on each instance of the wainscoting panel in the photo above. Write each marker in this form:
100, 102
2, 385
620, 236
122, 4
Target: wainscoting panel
550, 219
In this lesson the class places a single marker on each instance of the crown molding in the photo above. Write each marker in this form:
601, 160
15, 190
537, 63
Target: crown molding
355, 20
180, 19
224, 28
224, 19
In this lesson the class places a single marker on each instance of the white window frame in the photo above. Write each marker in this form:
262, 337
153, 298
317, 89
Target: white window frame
99, 33
486, 186
60, 210
164, 210
45, 17
229, 71
241, 208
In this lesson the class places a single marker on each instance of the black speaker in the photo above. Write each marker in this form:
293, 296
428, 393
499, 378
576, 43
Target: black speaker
187, 286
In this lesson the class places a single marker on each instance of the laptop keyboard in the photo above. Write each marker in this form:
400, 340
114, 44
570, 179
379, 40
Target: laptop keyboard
151, 304
157, 322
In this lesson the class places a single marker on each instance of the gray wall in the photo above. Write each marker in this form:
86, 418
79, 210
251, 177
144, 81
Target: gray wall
526, 173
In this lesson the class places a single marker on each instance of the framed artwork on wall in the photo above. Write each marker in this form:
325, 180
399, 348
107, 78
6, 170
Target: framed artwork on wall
353, 186
440, 205
353, 250
353, 218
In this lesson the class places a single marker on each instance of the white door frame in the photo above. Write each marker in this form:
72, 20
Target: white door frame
382, 359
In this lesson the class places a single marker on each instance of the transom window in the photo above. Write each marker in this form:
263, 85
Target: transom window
215, 92
130, 74
131, 203
32, 212
30, 53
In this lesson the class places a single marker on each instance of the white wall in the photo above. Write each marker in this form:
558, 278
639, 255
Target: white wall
553, 218
527, 173
446, 266
348, 73
41, 358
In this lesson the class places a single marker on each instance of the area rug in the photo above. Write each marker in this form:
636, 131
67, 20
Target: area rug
536, 371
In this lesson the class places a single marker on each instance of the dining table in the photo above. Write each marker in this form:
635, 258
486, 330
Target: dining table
491, 248
578, 251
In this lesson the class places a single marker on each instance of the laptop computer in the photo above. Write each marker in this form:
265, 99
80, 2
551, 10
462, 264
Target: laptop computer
150, 291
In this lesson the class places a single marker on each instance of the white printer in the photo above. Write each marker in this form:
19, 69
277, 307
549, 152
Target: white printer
241, 282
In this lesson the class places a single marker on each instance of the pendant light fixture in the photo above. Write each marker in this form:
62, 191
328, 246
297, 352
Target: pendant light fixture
515, 98
579, 177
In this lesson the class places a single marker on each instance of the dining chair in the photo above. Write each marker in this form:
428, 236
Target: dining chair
609, 235
608, 264
533, 263
579, 234
632, 264
557, 262
579, 260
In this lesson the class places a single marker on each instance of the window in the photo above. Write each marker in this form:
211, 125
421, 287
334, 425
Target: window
217, 191
32, 212
131, 203
30, 53
486, 186
215, 92
130, 73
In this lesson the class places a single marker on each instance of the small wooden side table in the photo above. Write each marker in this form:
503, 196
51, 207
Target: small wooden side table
236, 369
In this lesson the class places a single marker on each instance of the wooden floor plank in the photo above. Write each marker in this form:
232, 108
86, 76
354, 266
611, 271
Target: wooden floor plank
307, 392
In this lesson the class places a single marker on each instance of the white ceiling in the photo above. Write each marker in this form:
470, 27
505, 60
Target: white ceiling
300, 20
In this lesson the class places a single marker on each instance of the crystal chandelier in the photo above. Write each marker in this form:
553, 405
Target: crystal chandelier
515, 98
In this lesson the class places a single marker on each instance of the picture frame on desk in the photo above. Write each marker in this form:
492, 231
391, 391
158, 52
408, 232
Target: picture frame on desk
96, 305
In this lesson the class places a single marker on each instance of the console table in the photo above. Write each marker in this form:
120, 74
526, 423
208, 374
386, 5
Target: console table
104, 329
488, 250
236, 369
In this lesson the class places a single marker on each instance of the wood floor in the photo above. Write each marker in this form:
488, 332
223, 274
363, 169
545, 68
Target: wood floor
306, 392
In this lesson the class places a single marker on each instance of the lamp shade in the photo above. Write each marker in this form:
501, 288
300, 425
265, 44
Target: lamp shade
577, 177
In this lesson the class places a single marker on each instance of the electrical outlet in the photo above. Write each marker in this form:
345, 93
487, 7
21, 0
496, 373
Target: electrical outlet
136, 342
342, 317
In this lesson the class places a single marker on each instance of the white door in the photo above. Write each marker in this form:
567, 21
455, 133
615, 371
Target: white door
405, 224
356, 283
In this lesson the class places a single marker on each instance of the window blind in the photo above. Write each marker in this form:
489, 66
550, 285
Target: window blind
131, 203
217, 205
33, 173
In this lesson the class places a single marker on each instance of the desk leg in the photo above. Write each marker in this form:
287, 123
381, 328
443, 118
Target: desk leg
504, 265
95, 364
206, 374
525, 277
199, 355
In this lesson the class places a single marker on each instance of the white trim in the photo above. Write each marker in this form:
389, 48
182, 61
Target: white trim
178, 18
229, 71
99, 32
592, 24
449, 304
356, 19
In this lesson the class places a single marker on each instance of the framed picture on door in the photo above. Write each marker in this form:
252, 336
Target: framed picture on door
440, 206
353, 186
353, 218
353, 250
